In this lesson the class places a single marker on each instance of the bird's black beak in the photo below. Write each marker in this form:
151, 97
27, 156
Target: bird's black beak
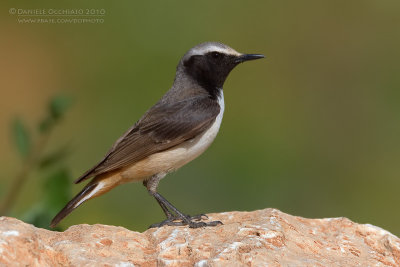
247, 57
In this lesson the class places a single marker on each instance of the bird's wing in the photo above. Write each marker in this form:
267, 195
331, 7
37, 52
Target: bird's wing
162, 127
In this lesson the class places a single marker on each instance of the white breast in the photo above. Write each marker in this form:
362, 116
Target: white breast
202, 142
175, 158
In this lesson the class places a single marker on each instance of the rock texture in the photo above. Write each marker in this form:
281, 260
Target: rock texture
260, 238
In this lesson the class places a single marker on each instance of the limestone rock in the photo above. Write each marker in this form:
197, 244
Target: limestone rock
259, 238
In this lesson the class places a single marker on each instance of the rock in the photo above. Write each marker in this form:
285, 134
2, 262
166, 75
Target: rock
258, 238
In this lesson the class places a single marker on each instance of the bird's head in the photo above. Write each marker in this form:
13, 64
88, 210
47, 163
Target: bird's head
210, 63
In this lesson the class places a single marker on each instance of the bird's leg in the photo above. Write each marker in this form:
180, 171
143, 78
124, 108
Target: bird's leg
151, 185
166, 210
180, 218
174, 216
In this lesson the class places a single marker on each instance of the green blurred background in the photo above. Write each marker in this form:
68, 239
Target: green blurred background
312, 130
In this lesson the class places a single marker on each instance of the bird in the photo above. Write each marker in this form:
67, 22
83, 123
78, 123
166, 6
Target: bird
173, 132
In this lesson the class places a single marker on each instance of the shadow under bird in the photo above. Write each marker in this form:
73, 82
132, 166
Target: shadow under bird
176, 130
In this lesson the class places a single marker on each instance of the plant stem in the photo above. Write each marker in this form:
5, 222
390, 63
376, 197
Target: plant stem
22, 176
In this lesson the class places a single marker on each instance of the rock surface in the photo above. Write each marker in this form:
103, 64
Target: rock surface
258, 238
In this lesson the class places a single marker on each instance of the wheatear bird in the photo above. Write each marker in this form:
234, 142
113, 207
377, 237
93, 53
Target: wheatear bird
176, 130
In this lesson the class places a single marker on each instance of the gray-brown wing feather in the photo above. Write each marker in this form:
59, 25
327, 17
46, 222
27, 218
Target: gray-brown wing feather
162, 127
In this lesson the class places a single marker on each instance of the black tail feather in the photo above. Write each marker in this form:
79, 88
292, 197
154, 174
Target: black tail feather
72, 204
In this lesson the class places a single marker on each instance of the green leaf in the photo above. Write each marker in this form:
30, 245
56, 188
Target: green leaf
21, 137
42, 220
56, 194
56, 110
57, 190
59, 105
39, 216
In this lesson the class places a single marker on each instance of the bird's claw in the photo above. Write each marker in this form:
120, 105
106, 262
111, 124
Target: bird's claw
191, 221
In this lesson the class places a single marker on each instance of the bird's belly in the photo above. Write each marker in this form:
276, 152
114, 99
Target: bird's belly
172, 159
176, 157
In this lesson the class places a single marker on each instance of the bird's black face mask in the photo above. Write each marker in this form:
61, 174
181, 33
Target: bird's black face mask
211, 69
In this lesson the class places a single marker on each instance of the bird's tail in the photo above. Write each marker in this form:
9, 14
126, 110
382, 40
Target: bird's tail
96, 187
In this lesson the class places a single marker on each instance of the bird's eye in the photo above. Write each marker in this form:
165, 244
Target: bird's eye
215, 55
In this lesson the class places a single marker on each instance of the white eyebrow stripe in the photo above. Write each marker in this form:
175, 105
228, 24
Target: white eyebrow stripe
213, 48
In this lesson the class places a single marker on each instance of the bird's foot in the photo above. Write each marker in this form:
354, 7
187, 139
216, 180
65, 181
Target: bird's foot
192, 221
198, 217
